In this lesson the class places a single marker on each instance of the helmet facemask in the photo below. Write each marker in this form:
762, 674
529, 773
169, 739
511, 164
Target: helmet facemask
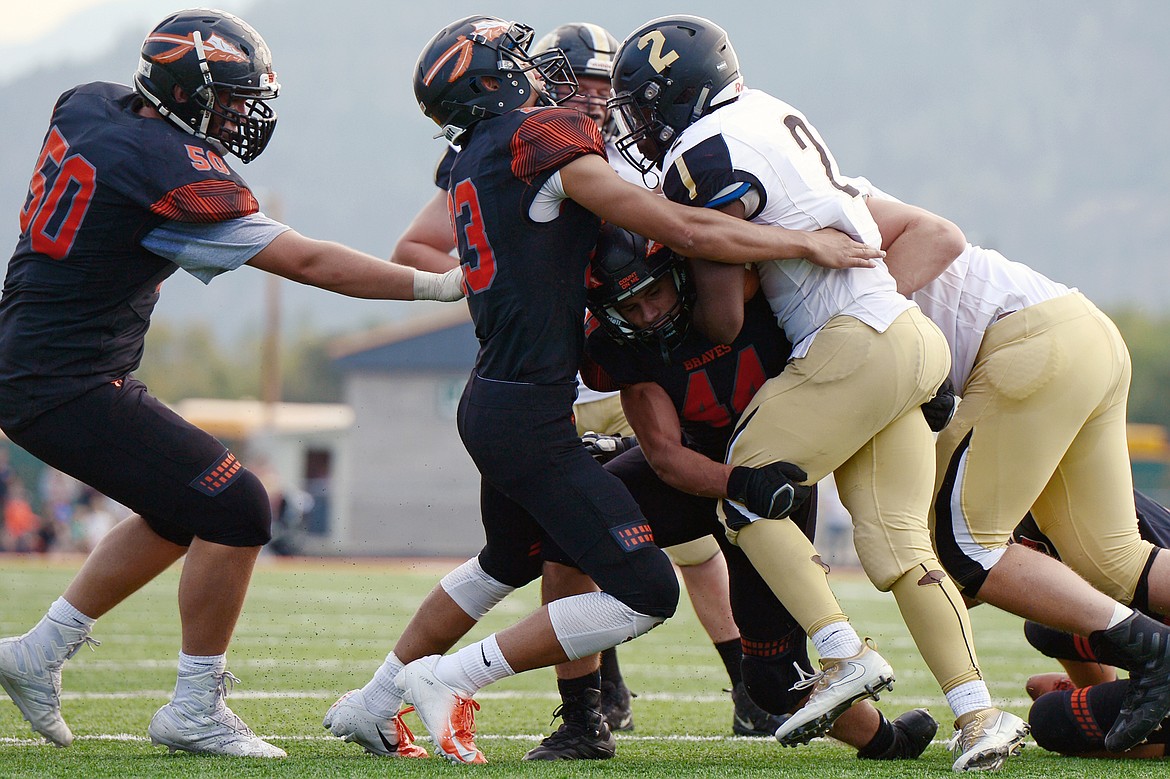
197, 65
465, 75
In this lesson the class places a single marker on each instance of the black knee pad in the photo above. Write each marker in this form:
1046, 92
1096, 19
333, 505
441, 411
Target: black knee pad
241, 515
1073, 722
1057, 644
769, 673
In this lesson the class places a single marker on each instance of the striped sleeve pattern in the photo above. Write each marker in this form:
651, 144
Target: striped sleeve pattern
206, 201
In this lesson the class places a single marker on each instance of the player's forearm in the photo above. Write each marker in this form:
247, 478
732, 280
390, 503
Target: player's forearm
688, 471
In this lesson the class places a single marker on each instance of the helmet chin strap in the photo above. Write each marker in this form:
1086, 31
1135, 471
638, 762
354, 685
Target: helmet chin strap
205, 69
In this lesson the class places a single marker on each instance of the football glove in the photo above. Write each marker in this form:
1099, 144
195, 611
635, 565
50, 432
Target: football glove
604, 448
939, 409
771, 491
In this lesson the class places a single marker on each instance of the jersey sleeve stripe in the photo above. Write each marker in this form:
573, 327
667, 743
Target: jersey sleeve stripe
206, 201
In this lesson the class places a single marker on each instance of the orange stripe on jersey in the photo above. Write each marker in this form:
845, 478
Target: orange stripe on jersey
206, 201
550, 138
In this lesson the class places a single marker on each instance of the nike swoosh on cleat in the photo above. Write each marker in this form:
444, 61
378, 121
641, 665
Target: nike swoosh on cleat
385, 742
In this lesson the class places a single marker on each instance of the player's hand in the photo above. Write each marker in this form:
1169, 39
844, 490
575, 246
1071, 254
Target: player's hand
604, 448
834, 249
939, 409
773, 490
445, 287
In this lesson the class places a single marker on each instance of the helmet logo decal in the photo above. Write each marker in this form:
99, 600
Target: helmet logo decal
656, 40
488, 29
215, 48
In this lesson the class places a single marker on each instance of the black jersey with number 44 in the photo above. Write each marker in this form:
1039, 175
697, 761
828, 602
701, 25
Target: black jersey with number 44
80, 288
525, 278
710, 384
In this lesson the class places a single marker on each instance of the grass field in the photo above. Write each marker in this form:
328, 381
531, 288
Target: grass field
313, 629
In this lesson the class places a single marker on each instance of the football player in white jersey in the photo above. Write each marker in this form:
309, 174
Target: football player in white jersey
1044, 376
865, 358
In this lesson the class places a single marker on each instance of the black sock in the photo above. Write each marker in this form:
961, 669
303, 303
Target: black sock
881, 743
731, 652
610, 670
572, 688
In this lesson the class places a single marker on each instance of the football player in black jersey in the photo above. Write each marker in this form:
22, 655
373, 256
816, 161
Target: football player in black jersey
133, 183
683, 394
527, 193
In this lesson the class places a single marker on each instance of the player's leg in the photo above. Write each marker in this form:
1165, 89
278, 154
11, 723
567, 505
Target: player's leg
587, 513
584, 733
370, 716
1075, 721
1041, 427
184, 485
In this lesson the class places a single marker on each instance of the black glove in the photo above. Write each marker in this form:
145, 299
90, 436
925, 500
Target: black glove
939, 409
771, 490
604, 448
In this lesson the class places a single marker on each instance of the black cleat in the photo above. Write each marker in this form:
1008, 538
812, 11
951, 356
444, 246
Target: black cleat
583, 734
615, 706
748, 718
1145, 644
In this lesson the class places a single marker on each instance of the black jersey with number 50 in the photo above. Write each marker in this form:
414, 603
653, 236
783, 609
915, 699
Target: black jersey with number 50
80, 288
525, 278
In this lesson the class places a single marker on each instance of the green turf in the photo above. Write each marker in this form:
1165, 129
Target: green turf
313, 629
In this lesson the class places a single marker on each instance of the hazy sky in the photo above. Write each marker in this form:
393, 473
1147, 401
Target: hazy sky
38, 32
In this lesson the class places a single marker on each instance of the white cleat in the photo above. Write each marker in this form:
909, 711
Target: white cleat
448, 715
987, 741
840, 683
34, 684
208, 726
351, 721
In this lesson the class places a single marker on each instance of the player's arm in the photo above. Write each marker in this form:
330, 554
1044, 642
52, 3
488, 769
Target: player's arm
718, 309
919, 245
347, 271
656, 425
701, 232
428, 241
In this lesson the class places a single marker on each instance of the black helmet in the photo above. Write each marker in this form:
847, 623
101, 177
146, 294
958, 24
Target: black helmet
624, 264
668, 73
589, 50
449, 78
216, 59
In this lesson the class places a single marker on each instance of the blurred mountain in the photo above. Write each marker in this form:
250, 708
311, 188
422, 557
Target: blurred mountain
1041, 128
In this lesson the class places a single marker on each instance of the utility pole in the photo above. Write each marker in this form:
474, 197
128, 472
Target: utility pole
270, 372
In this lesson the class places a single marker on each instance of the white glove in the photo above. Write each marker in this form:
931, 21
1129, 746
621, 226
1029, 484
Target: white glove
446, 287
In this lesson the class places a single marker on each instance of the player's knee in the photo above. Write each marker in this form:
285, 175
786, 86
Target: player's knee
239, 516
1054, 728
643, 580
473, 590
1055, 643
592, 622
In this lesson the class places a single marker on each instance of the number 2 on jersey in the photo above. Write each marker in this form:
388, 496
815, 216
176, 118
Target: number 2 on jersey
59, 194
805, 137
475, 251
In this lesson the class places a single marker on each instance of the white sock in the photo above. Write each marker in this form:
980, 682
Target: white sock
1120, 614
192, 682
474, 667
968, 697
59, 632
837, 640
382, 696
64, 612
